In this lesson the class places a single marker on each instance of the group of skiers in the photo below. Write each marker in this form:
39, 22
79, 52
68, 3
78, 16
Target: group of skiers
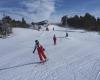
40, 49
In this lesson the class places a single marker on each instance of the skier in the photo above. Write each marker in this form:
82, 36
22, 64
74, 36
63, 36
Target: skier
53, 28
66, 34
54, 39
47, 29
40, 51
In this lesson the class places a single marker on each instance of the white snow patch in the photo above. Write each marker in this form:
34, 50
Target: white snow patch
74, 58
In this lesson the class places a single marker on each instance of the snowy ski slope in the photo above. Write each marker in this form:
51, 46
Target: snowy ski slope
74, 58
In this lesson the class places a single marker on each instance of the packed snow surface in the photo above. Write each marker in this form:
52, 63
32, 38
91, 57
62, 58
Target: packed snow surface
74, 58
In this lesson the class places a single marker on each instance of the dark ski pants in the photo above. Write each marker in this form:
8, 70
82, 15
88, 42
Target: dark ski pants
54, 42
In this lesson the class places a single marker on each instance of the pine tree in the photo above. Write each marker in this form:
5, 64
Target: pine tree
64, 20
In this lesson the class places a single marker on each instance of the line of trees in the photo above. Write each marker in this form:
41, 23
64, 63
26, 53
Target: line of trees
88, 22
7, 23
13, 22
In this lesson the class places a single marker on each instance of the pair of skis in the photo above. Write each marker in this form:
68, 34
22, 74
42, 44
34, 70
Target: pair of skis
41, 62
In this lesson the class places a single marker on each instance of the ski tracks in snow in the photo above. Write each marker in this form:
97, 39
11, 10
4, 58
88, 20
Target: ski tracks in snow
63, 64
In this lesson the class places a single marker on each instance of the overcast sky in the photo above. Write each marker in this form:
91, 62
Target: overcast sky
37, 10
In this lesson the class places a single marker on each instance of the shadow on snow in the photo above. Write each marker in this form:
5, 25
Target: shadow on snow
17, 66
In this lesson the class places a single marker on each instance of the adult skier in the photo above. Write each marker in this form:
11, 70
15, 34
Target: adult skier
66, 34
40, 51
53, 28
54, 39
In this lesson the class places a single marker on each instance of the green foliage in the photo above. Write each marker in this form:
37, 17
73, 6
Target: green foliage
6, 20
87, 22
7, 23
14, 23
64, 20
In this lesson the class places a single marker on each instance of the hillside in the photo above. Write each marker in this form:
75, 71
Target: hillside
74, 58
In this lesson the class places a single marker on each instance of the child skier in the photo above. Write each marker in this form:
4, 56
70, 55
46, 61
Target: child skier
40, 51
54, 39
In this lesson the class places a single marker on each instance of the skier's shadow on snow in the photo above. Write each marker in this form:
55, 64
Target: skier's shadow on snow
62, 37
17, 66
60, 30
71, 31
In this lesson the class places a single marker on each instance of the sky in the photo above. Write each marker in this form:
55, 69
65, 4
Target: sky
52, 10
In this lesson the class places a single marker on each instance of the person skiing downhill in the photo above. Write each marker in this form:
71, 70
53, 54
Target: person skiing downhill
66, 34
53, 28
54, 39
40, 51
